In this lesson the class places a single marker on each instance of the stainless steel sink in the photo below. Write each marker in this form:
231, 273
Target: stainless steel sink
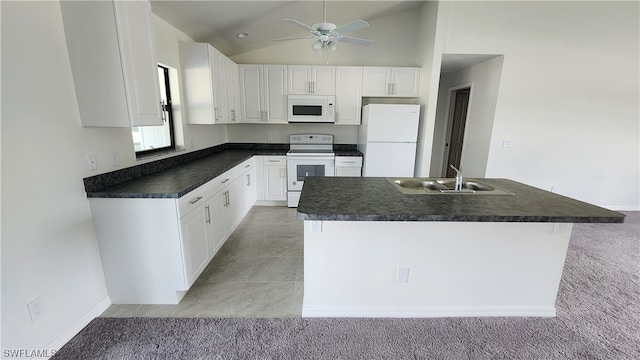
408, 185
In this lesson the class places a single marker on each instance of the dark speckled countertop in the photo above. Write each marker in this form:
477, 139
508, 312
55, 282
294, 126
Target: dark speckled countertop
179, 180
375, 199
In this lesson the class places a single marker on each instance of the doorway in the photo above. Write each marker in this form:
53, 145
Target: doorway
458, 118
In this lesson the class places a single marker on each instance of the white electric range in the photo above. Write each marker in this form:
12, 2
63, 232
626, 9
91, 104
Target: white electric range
309, 155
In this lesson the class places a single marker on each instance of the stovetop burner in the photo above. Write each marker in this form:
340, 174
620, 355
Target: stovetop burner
311, 144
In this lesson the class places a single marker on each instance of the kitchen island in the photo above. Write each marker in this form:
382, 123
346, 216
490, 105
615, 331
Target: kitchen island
370, 250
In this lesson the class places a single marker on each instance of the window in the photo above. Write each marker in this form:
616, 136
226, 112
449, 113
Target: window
153, 139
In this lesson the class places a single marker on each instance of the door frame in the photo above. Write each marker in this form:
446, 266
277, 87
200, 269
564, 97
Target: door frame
449, 122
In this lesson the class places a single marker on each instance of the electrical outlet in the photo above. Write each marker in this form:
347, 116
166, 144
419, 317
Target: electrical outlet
92, 162
506, 143
115, 158
402, 275
35, 309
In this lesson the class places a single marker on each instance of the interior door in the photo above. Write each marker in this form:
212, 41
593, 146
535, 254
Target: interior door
459, 119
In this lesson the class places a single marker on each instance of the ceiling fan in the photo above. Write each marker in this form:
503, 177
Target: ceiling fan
327, 33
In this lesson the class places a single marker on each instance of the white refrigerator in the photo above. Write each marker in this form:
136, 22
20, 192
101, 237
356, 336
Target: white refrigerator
387, 139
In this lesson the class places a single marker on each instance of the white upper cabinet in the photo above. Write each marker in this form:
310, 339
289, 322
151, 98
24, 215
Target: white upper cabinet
348, 95
316, 80
391, 81
210, 84
111, 48
263, 92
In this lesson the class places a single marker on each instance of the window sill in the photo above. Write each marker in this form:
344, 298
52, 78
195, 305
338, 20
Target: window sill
159, 154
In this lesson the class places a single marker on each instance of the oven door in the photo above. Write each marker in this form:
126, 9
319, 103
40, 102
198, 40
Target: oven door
301, 166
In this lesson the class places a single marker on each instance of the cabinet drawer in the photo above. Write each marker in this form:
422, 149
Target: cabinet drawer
190, 201
245, 166
348, 161
215, 185
275, 160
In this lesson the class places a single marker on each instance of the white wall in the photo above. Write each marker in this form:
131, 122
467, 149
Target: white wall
49, 246
431, 34
569, 93
484, 80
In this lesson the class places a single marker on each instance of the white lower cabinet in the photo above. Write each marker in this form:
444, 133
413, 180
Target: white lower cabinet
153, 250
194, 232
348, 166
274, 179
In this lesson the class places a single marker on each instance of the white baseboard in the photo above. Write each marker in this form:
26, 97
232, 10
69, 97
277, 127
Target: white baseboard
270, 203
430, 312
64, 338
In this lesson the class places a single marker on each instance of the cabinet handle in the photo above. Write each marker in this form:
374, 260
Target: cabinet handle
215, 113
393, 89
195, 200
208, 210
233, 115
246, 166
162, 116
248, 179
224, 181
228, 199
348, 162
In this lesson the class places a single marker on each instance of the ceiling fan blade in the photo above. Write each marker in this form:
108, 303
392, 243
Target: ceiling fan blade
299, 24
357, 41
352, 26
295, 38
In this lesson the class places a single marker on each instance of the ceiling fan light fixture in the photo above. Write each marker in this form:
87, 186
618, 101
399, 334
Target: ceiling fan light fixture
317, 45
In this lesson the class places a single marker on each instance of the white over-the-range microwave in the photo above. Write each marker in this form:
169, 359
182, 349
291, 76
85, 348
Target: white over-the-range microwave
311, 108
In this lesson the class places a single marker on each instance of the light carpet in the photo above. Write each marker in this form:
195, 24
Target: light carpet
598, 317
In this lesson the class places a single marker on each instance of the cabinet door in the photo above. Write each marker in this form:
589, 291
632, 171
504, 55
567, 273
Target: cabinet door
233, 90
218, 80
111, 49
299, 79
275, 183
195, 243
375, 81
139, 64
249, 189
274, 94
323, 80
405, 81
348, 95
349, 171
251, 93
198, 85
217, 228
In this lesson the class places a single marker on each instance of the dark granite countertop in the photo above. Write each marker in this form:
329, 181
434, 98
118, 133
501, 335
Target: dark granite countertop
179, 180
347, 153
376, 199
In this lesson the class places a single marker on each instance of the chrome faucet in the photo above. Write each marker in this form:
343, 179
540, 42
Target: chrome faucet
458, 185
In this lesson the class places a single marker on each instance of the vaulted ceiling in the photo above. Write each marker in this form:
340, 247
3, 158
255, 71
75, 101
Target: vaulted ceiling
219, 22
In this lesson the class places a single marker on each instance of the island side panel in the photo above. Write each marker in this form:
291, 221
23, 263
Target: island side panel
455, 269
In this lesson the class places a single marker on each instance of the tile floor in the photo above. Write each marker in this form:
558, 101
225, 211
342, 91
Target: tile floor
258, 272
